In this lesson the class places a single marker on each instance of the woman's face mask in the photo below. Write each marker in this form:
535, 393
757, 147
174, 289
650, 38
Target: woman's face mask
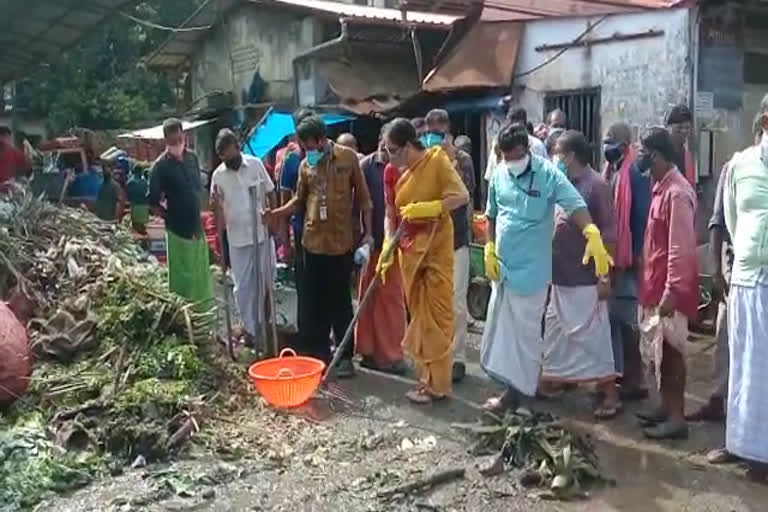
431, 139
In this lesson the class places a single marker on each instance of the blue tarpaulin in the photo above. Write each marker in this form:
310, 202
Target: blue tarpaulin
276, 127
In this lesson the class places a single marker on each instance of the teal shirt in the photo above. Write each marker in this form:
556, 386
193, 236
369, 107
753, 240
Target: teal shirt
136, 190
524, 210
746, 215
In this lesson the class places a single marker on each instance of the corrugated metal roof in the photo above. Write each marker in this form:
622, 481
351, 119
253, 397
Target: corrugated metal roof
372, 13
180, 46
156, 132
521, 10
458, 7
33, 33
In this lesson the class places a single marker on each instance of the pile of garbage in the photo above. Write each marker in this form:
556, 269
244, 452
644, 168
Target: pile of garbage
123, 369
546, 453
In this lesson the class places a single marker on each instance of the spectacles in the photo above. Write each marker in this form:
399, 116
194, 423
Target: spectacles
391, 152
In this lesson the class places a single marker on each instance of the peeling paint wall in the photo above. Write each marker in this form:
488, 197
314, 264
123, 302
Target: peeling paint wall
252, 39
639, 78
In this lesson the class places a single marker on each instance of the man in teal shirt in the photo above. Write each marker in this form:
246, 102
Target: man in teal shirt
523, 193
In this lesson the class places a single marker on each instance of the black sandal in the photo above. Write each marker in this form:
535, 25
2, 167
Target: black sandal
651, 417
667, 430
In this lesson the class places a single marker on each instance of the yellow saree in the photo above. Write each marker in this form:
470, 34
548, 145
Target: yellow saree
426, 261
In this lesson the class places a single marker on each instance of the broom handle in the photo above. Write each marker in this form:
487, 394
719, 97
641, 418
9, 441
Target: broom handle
223, 263
366, 298
259, 279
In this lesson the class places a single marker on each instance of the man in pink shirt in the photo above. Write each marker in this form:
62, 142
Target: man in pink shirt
669, 290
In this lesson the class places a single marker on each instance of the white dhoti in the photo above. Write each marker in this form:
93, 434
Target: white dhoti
512, 347
746, 432
250, 291
656, 330
577, 336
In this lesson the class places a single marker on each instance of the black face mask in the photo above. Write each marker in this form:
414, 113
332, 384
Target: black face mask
613, 151
234, 163
644, 162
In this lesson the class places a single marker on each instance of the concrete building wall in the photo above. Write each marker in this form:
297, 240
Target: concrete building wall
639, 79
252, 39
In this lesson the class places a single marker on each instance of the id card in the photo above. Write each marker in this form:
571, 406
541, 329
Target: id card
323, 213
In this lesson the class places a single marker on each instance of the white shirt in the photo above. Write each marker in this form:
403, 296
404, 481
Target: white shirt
534, 145
235, 196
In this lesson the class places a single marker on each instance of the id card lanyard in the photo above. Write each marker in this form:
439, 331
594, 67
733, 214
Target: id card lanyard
324, 191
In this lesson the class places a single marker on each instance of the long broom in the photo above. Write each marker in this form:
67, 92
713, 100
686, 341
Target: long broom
363, 303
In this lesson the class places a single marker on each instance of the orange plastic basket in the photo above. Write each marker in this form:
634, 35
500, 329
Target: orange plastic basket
287, 381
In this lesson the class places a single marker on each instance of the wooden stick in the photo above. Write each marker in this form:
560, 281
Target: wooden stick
425, 483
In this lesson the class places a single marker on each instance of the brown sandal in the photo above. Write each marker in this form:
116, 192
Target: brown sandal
608, 411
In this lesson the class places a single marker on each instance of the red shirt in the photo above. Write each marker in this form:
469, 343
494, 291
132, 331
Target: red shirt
12, 160
669, 253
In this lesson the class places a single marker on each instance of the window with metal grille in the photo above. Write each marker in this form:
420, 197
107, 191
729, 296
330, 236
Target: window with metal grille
582, 110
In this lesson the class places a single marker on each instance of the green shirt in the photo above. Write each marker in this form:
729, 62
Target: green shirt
746, 215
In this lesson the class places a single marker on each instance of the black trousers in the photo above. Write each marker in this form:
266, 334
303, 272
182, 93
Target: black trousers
326, 303
298, 273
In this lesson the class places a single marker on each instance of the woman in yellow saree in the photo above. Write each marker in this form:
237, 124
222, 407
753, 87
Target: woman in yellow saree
424, 190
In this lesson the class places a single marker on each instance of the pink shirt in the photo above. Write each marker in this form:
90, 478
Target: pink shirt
669, 254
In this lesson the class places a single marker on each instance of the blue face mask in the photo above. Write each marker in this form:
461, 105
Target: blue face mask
560, 164
432, 139
313, 157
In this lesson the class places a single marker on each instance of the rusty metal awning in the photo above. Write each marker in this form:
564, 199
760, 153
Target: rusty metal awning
35, 32
367, 79
485, 57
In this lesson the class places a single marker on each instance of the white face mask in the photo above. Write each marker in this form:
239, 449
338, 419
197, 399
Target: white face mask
517, 167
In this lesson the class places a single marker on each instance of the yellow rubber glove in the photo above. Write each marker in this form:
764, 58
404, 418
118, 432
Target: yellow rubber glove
596, 251
491, 262
385, 262
422, 210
